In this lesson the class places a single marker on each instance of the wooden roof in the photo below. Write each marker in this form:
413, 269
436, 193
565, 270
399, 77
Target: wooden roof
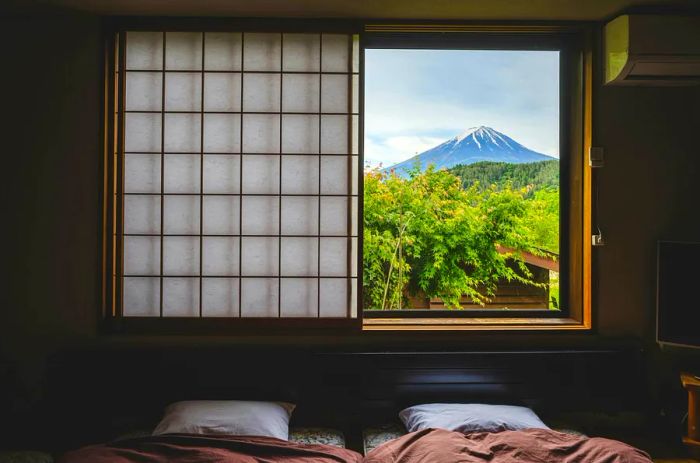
549, 261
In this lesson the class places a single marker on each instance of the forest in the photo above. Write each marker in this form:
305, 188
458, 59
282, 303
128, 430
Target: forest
438, 232
533, 175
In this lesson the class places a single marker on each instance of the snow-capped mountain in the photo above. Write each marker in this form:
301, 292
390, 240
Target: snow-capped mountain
473, 145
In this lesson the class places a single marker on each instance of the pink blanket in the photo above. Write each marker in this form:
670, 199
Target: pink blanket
527, 446
189, 448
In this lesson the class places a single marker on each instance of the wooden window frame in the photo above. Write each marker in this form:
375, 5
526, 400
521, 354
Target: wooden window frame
575, 130
579, 316
112, 320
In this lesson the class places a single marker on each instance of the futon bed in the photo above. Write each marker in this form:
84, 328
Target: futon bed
523, 446
248, 432
192, 448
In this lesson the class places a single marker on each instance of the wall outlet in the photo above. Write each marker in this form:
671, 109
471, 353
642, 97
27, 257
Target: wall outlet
597, 240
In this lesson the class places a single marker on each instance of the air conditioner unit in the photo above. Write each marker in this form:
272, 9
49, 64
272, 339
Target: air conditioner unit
652, 50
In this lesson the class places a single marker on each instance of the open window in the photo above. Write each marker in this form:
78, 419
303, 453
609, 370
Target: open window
242, 188
474, 195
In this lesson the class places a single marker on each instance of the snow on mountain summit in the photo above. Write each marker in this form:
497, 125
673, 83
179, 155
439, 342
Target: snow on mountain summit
473, 145
482, 133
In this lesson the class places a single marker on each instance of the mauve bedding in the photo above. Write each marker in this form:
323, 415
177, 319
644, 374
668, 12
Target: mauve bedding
191, 448
524, 446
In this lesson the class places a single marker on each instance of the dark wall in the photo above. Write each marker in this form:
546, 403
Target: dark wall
52, 87
51, 111
648, 190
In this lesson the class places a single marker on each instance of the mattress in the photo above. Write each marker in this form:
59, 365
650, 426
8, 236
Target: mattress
374, 436
327, 436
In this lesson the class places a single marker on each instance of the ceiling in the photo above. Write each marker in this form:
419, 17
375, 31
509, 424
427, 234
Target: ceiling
374, 9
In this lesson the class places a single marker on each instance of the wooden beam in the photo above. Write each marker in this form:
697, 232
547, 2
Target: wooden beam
539, 261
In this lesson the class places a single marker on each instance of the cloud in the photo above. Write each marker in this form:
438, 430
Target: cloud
412, 145
391, 150
416, 99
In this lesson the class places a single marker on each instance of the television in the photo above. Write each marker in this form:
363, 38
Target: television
678, 294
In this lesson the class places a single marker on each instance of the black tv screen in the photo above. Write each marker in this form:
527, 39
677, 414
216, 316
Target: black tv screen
678, 294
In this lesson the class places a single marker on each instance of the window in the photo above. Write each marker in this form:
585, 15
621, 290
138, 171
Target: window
474, 201
236, 175
236, 181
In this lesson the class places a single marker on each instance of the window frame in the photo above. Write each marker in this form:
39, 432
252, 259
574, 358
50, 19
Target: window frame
579, 122
112, 320
574, 43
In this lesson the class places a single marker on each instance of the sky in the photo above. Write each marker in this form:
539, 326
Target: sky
417, 99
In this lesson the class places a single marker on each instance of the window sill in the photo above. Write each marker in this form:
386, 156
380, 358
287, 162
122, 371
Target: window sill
475, 324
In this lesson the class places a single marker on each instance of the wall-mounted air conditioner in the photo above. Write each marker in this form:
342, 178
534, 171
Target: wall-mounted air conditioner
652, 50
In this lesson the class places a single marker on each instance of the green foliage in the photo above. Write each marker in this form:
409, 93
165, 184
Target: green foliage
532, 175
427, 233
542, 219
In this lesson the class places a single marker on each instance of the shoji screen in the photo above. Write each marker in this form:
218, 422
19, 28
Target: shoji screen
240, 174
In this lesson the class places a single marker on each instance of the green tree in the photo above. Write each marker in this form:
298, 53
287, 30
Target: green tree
542, 219
427, 233
531, 175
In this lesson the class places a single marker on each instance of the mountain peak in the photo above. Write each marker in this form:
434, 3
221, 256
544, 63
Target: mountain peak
475, 144
479, 131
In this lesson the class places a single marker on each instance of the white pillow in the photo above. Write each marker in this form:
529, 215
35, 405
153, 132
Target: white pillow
230, 417
470, 417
